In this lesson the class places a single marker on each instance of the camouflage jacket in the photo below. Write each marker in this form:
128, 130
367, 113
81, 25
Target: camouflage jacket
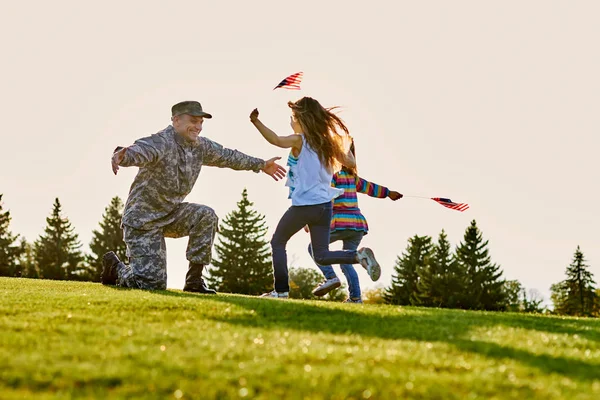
169, 167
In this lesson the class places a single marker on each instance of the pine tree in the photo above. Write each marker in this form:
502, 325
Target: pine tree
484, 288
27, 262
558, 295
404, 287
578, 295
57, 251
440, 284
243, 262
9, 251
452, 276
424, 295
108, 238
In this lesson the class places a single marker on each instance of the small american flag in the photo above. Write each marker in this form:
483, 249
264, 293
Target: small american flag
292, 82
450, 204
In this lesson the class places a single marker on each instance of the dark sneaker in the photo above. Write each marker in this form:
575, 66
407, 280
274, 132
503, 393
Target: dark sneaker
109, 268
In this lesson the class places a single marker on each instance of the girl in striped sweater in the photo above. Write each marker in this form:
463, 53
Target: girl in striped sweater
349, 225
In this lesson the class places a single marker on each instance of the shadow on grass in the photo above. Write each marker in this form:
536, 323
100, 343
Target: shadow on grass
422, 324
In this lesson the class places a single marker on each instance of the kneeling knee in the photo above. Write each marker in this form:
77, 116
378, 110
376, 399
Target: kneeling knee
209, 215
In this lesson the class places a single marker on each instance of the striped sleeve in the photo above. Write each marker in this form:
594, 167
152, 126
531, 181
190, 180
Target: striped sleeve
371, 189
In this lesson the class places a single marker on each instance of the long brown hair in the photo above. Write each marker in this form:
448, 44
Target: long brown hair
321, 128
351, 171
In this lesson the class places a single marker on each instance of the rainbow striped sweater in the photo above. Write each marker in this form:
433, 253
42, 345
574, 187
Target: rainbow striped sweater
346, 214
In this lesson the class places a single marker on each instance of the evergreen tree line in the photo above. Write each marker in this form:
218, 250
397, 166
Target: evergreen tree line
431, 274
427, 273
56, 254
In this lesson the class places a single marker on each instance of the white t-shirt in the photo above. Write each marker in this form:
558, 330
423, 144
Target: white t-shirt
309, 180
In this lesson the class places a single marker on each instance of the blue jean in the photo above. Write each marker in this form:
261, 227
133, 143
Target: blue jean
351, 240
318, 219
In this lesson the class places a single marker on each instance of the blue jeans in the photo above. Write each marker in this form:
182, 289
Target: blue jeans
351, 240
318, 219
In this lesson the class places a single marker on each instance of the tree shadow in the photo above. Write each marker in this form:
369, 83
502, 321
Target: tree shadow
422, 324
458, 321
587, 328
576, 369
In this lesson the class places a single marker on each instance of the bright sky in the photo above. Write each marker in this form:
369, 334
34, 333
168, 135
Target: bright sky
490, 103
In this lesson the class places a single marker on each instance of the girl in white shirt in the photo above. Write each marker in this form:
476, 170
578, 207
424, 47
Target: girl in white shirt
318, 145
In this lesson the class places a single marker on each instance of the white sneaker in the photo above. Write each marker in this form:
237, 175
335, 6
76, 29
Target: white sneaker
351, 300
276, 295
368, 261
327, 286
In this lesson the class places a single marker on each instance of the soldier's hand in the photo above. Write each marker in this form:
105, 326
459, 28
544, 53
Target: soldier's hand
254, 115
274, 169
117, 157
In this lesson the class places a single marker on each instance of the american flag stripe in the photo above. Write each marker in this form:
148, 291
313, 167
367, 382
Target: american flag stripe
292, 82
450, 204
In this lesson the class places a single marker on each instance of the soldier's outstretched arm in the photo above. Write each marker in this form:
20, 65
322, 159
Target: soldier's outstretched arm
215, 155
144, 151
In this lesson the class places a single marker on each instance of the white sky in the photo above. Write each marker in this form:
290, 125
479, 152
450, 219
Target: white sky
490, 103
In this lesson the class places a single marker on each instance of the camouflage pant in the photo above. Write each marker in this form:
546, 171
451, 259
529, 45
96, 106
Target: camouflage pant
147, 251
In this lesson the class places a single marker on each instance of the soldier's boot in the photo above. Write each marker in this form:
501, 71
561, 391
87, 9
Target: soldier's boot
194, 281
109, 268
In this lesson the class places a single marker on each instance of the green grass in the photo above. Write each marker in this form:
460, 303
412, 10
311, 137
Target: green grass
72, 340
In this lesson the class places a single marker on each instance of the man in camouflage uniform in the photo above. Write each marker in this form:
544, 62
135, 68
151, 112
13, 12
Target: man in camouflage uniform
169, 163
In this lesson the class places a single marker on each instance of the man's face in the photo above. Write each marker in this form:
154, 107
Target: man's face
188, 126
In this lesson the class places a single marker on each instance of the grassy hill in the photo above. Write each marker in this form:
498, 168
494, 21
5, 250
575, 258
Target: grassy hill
74, 340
